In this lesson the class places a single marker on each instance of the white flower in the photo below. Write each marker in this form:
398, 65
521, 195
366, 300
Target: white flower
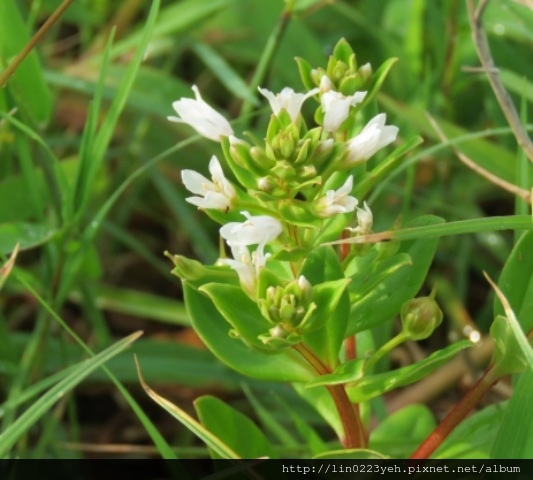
256, 230
374, 136
365, 220
246, 265
337, 201
217, 194
336, 107
200, 116
287, 99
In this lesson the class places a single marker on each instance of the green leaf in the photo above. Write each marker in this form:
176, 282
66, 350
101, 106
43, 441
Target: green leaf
359, 454
515, 436
510, 355
371, 272
333, 308
174, 18
224, 72
371, 386
286, 365
236, 430
402, 285
364, 388
378, 78
27, 84
399, 434
516, 282
211, 440
324, 271
25, 421
475, 435
28, 235
247, 320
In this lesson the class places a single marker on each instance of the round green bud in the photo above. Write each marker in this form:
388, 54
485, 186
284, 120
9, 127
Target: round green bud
420, 317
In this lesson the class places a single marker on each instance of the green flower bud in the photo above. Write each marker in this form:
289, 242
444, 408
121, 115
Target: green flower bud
338, 71
420, 317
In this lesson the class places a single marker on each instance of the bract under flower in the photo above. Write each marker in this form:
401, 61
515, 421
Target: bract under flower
217, 194
202, 117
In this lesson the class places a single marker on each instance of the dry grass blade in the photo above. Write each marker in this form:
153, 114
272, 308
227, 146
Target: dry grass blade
215, 443
509, 187
8, 266
475, 14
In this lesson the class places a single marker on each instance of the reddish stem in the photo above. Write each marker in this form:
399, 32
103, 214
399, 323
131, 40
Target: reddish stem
456, 415
354, 433
350, 348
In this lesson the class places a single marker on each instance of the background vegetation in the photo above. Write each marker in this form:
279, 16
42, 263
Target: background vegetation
90, 188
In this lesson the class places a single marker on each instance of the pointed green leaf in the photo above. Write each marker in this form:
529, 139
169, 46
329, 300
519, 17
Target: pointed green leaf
286, 365
395, 290
515, 436
208, 437
371, 386
236, 430
359, 454
27, 84
400, 433
25, 421
516, 282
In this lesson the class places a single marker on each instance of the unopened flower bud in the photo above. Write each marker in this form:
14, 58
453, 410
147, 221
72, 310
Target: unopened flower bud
420, 317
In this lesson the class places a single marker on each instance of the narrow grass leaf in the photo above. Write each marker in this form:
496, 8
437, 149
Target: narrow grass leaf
24, 422
211, 440
515, 435
236, 430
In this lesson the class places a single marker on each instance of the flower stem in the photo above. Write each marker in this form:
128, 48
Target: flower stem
392, 343
354, 434
456, 415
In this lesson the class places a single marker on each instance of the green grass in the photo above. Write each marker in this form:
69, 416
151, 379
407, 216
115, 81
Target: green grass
90, 189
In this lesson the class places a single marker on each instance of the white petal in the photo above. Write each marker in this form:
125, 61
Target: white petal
194, 181
200, 116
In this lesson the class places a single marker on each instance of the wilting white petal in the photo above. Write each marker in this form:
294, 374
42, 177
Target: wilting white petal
365, 220
287, 99
337, 201
202, 117
246, 265
373, 137
217, 194
336, 107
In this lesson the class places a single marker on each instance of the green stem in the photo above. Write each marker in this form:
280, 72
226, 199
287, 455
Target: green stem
456, 415
392, 343
265, 60
354, 434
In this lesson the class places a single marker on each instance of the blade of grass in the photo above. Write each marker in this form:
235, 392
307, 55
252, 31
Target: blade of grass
162, 445
193, 425
476, 225
23, 423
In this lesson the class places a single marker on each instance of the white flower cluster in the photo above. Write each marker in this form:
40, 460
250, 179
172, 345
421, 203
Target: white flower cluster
219, 194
